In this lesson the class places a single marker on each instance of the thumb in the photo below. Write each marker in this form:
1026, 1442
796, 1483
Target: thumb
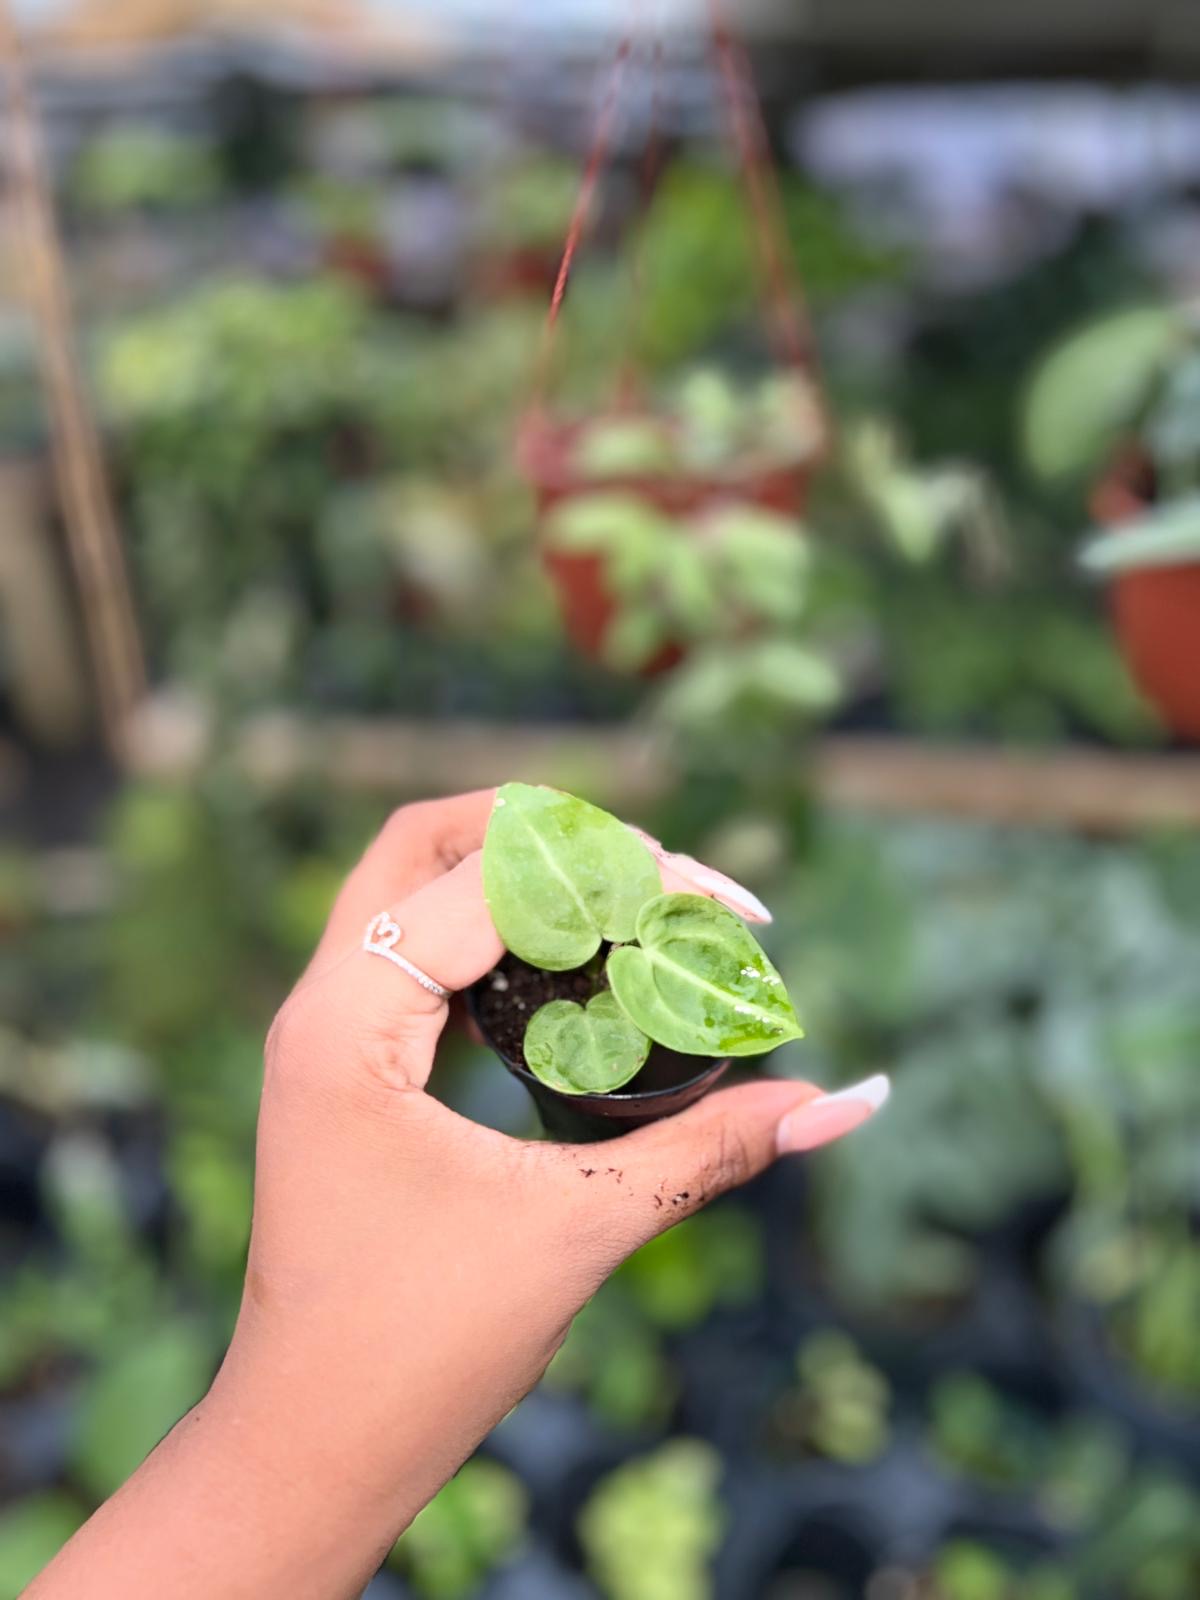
672, 1168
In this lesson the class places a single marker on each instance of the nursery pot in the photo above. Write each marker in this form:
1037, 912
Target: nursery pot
360, 260
1163, 1424
547, 453
588, 609
517, 273
668, 1082
1156, 610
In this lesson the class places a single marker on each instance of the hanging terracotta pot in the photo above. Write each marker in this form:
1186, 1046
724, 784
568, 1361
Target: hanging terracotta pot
1155, 593
515, 274
549, 456
359, 259
553, 453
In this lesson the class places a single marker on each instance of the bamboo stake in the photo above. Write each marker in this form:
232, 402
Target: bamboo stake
92, 534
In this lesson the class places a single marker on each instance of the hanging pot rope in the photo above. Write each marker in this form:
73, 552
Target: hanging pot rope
594, 169
792, 334
788, 325
629, 384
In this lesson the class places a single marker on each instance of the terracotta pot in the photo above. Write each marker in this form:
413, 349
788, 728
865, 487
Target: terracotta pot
588, 609
359, 260
547, 454
1156, 610
517, 274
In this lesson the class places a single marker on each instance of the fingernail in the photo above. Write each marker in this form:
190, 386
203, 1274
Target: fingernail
647, 839
829, 1116
725, 889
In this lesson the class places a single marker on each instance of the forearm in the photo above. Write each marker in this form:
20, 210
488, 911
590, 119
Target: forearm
292, 1479
224, 1509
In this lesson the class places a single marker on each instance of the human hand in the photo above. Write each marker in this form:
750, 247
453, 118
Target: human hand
411, 1273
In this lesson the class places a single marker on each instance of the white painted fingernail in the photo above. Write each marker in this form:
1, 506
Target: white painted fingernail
830, 1116
723, 888
727, 890
647, 839
875, 1091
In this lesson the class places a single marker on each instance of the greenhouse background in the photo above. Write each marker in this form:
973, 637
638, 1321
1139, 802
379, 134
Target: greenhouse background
308, 510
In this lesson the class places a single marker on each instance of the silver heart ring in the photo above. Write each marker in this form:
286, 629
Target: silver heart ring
381, 938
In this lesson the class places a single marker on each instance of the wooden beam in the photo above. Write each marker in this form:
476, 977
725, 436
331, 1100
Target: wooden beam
171, 737
1086, 790
1089, 791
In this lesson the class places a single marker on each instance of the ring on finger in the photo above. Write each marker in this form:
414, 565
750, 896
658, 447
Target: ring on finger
381, 938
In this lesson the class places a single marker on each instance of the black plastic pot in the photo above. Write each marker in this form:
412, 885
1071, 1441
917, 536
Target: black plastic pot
1103, 1382
790, 1533
666, 1084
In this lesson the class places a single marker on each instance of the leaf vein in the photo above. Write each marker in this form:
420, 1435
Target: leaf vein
656, 957
557, 871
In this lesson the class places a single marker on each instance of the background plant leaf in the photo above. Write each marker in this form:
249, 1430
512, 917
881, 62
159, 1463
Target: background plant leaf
135, 1399
1088, 390
32, 1531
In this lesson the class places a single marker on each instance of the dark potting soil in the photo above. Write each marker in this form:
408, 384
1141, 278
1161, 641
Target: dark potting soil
510, 994
513, 991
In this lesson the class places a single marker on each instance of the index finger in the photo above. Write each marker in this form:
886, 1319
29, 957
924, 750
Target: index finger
418, 843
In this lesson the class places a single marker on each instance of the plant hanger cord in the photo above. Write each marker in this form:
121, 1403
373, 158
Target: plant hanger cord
629, 384
787, 322
594, 167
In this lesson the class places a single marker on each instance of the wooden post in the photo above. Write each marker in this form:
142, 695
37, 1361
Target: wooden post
92, 535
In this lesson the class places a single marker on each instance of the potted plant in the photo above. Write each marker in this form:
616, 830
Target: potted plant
344, 217
1130, 1295
838, 1407
639, 587
985, 1437
523, 217
616, 1004
711, 449
1121, 398
1153, 563
653, 1527
1149, 1547
968, 1569
661, 1324
711, 440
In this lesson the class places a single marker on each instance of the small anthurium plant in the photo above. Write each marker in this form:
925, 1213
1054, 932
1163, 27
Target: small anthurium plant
570, 887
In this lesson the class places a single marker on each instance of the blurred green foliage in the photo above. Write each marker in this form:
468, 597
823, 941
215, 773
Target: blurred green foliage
1031, 994
33, 1530
700, 269
133, 166
965, 1570
467, 1530
651, 1528
1089, 390
617, 1352
840, 1405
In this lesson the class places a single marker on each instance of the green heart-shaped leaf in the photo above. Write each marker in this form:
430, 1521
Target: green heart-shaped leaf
561, 876
582, 1051
698, 982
